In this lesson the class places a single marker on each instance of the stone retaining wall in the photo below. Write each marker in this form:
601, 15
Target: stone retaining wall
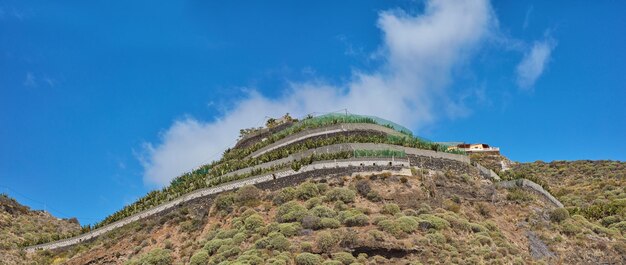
339, 128
258, 136
354, 165
428, 161
525, 183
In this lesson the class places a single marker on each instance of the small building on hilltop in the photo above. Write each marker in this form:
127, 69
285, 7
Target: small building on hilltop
475, 148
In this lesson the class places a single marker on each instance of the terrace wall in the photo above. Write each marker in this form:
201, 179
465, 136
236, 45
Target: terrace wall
525, 183
336, 166
327, 130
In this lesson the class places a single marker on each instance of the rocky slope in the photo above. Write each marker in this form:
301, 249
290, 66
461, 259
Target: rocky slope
404, 217
20, 225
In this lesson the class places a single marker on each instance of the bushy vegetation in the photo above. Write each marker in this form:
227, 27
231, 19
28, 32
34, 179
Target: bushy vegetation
308, 259
234, 159
21, 226
379, 153
593, 189
155, 257
323, 222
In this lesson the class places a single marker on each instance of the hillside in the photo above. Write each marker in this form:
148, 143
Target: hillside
350, 188
594, 189
19, 226
402, 217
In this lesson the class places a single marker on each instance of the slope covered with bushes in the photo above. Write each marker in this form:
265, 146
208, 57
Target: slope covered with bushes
426, 217
19, 226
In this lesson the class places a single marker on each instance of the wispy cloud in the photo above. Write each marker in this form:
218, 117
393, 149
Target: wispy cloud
529, 12
30, 81
419, 52
534, 62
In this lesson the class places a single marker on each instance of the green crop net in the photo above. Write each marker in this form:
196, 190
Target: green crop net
355, 118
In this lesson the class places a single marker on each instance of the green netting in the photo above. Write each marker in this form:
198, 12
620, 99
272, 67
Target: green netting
379, 153
354, 118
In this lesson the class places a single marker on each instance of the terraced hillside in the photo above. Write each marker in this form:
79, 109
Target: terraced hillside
288, 149
366, 191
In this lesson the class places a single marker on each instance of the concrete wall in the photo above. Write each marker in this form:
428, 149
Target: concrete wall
354, 164
335, 148
418, 157
524, 183
339, 128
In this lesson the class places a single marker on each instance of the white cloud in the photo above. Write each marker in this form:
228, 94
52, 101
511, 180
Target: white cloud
534, 62
419, 52
30, 81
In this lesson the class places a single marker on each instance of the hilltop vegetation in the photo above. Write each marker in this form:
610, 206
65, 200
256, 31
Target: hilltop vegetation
237, 158
19, 225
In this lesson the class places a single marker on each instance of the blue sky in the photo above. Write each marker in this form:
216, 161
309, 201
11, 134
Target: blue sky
102, 101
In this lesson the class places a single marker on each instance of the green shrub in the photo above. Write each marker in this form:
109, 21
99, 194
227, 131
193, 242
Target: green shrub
308, 259
424, 209
518, 195
341, 194
226, 233
621, 226
278, 241
307, 190
310, 221
224, 202
284, 195
248, 195
229, 251
344, 257
410, 212
609, 220
452, 206
200, 258
313, 202
326, 241
436, 238
329, 223
559, 215
377, 235
390, 208
477, 228
353, 217
156, 256
289, 229
306, 247
323, 211
373, 196
212, 246
340, 206
322, 187
483, 239
239, 238
429, 221
290, 212
253, 222
252, 257
407, 224
391, 227
570, 227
